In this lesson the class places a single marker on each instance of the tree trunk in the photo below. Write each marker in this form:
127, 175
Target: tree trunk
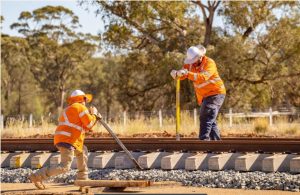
61, 107
208, 30
208, 12
19, 98
108, 102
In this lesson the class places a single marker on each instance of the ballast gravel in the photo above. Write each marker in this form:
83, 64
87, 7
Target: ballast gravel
220, 179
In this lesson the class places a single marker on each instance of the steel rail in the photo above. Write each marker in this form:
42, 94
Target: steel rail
155, 144
159, 138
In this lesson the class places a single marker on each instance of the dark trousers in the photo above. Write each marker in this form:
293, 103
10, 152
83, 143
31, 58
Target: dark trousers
208, 115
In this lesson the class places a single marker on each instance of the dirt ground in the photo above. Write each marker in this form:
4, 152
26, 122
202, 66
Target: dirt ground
25, 188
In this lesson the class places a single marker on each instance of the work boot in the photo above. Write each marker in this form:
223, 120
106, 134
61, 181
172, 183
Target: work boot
37, 181
82, 175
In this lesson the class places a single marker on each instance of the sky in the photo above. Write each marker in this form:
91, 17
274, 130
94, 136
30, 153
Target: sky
91, 23
11, 9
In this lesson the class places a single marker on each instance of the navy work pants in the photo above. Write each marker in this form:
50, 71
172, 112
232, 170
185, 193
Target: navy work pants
208, 117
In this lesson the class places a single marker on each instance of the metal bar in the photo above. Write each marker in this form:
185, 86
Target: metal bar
120, 143
113, 183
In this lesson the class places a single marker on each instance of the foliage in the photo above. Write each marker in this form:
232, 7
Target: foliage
257, 54
18, 84
56, 49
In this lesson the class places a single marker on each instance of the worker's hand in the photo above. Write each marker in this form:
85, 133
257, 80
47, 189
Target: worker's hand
173, 73
182, 72
99, 116
93, 110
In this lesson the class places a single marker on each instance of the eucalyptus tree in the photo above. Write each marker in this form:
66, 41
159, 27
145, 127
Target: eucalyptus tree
246, 17
249, 50
208, 11
57, 49
150, 38
260, 66
15, 76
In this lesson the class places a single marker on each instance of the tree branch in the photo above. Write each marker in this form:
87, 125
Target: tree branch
134, 24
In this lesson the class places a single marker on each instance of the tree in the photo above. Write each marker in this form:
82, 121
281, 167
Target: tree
56, 49
254, 68
150, 33
208, 12
100, 79
18, 85
246, 16
144, 25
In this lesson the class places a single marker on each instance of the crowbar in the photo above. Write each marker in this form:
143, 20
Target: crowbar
109, 129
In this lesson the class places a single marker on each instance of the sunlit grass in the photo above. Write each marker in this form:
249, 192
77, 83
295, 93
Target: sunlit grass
144, 127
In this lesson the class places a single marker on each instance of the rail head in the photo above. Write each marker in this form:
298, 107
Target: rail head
193, 145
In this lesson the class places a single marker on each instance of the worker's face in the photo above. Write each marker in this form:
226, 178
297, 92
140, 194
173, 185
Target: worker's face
84, 102
198, 62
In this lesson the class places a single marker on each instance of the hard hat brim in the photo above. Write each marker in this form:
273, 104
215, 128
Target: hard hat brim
191, 61
89, 97
81, 98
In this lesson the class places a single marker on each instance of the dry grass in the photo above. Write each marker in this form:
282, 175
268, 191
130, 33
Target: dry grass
20, 128
142, 125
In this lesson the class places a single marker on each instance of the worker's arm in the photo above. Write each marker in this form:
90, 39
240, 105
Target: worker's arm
88, 120
204, 74
180, 74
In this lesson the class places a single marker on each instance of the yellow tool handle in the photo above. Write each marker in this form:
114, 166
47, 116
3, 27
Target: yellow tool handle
177, 108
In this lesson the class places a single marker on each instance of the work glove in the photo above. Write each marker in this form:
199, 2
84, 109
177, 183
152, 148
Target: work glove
182, 72
173, 73
93, 110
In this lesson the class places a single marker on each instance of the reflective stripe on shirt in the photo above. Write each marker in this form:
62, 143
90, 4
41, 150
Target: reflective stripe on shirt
65, 116
207, 82
81, 114
90, 124
206, 73
63, 133
67, 123
195, 76
71, 125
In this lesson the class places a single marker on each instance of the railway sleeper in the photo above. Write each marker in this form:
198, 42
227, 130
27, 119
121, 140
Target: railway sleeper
266, 162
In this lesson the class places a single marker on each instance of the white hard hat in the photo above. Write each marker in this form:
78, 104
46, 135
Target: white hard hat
193, 53
77, 92
79, 96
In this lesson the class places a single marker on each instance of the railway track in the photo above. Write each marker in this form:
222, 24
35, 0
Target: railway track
266, 145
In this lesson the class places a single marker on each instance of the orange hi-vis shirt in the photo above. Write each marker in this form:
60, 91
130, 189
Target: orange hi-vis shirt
205, 78
73, 122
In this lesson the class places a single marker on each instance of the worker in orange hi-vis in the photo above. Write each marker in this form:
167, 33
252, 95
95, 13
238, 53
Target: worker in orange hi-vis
74, 121
209, 89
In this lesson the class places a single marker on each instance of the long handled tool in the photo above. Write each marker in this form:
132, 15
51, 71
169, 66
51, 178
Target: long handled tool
107, 127
177, 109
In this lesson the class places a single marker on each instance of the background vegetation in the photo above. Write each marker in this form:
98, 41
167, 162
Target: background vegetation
257, 54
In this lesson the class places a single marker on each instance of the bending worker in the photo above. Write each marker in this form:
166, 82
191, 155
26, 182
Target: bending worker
209, 89
69, 137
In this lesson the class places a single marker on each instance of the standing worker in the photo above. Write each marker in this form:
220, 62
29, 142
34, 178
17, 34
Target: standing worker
209, 89
69, 138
